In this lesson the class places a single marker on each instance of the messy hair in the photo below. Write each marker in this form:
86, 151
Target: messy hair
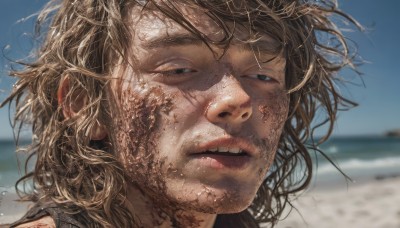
82, 39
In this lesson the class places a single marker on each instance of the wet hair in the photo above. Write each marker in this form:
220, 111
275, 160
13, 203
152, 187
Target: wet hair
81, 39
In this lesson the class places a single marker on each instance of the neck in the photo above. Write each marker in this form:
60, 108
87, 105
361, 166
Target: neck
149, 213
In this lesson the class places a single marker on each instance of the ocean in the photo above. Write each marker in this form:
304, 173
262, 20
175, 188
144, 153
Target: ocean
361, 158
9, 166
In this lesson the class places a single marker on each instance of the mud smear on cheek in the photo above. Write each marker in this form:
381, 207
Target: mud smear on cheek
138, 137
274, 115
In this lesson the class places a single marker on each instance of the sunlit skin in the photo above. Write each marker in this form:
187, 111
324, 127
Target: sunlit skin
177, 100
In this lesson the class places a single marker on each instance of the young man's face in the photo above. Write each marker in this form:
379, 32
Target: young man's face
196, 132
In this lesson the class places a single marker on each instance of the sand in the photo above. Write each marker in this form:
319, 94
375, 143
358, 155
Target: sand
372, 204
10, 209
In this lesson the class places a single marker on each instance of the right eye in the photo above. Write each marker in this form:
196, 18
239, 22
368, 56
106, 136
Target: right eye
178, 71
175, 67
174, 72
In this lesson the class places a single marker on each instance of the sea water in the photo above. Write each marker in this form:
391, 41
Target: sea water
361, 158
11, 164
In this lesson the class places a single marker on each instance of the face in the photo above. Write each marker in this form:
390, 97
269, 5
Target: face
195, 131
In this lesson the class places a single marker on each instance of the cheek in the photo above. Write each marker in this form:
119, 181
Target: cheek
273, 113
137, 131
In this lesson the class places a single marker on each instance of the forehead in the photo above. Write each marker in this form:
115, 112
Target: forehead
148, 23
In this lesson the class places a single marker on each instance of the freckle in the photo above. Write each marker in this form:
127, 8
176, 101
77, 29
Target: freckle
260, 171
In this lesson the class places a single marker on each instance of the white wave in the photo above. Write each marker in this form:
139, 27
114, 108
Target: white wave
332, 149
359, 164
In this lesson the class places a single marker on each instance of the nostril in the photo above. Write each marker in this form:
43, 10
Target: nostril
245, 115
223, 114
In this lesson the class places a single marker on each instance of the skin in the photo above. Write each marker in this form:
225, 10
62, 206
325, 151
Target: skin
45, 222
176, 100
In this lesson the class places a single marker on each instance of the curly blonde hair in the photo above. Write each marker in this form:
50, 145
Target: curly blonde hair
83, 38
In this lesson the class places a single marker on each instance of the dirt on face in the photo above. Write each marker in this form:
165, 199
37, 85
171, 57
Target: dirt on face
144, 115
275, 114
139, 125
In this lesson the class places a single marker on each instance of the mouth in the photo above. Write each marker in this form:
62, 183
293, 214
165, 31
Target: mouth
227, 153
227, 146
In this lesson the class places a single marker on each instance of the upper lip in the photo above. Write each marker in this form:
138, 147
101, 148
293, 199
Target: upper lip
231, 142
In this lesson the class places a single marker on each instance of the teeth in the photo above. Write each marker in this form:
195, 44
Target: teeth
234, 150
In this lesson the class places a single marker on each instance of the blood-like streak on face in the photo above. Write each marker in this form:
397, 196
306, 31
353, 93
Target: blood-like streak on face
180, 99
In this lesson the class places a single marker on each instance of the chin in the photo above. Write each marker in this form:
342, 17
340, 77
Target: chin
233, 201
213, 200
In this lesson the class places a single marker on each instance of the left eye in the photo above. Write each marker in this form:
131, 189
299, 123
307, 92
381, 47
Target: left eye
180, 71
261, 77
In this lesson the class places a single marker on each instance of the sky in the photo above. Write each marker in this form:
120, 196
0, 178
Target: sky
379, 46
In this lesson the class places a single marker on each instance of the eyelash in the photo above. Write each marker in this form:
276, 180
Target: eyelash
183, 71
179, 71
262, 77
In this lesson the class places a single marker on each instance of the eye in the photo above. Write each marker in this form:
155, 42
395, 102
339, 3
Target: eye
175, 68
261, 77
178, 71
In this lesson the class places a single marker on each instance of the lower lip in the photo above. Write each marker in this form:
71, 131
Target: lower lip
217, 161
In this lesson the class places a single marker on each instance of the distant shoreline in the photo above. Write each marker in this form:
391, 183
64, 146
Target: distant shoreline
393, 133
21, 141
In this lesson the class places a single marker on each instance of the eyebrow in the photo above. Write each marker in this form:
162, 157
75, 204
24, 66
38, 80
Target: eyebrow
176, 40
173, 40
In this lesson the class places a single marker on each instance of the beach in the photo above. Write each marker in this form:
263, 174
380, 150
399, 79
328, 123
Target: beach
11, 209
371, 204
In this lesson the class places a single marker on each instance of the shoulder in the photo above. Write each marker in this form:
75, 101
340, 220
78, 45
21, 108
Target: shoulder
50, 215
44, 222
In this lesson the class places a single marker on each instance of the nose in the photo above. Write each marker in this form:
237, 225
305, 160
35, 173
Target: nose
231, 105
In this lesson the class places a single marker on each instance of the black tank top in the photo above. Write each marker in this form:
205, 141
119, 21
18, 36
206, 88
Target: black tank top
61, 219
64, 220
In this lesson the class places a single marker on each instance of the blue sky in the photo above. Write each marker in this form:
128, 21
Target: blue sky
379, 100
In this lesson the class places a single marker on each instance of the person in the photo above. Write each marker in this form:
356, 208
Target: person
176, 113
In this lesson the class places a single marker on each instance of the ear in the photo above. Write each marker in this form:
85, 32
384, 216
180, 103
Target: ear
71, 104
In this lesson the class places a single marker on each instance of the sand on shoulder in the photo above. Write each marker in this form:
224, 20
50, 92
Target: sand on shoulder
374, 204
